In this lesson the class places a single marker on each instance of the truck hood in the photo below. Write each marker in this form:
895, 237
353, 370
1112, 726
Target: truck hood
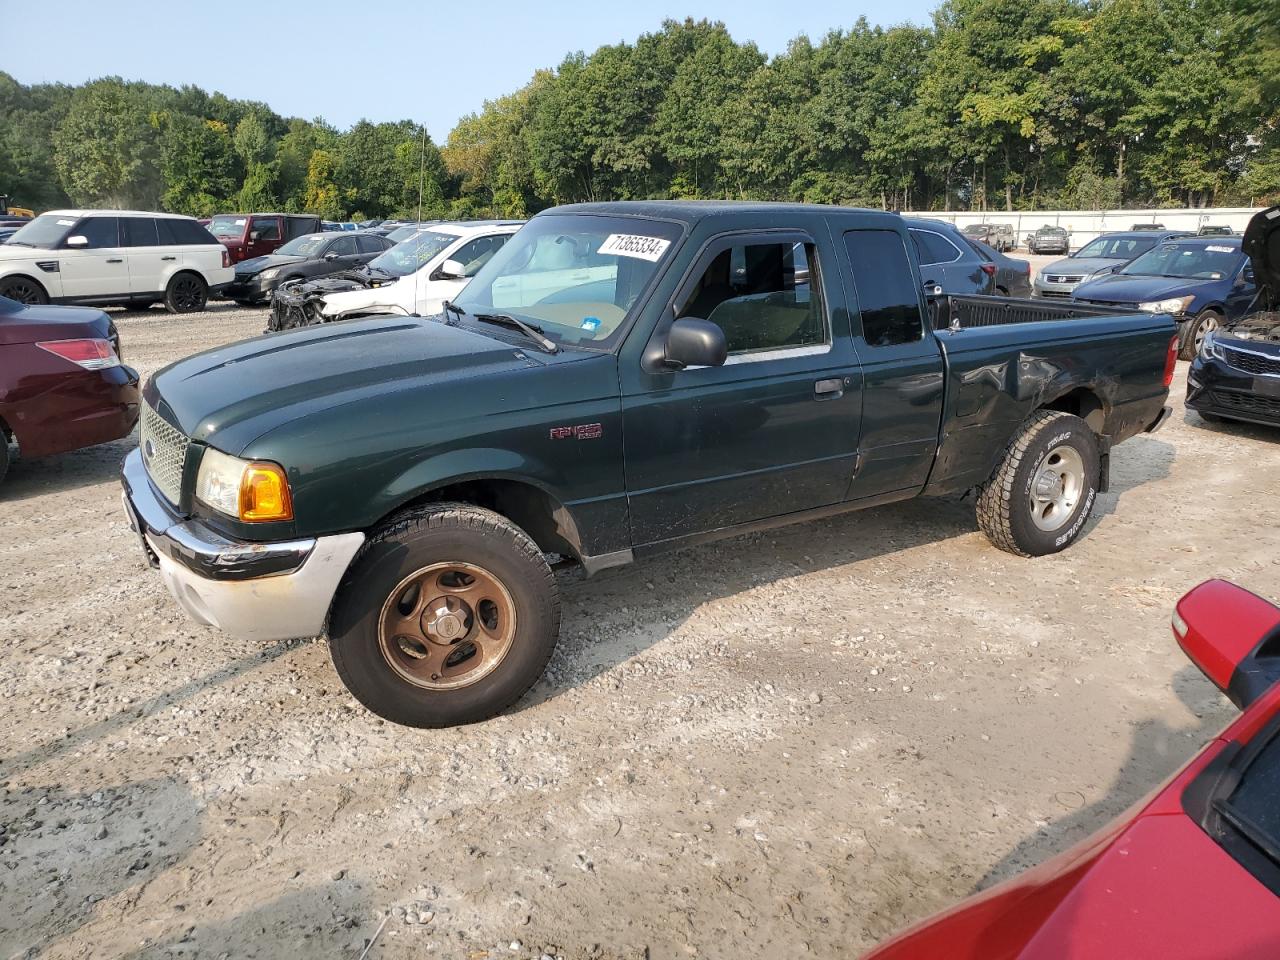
1121, 288
1081, 266
1261, 244
229, 396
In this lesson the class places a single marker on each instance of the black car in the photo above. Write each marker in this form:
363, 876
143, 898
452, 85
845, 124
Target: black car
1236, 374
948, 260
312, 255
1049, 239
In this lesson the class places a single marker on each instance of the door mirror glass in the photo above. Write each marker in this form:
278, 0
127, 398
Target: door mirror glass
77, 241
692, 342
1246, 275
452, 270
932, 289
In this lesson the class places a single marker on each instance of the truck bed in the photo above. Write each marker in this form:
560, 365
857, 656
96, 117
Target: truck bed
952, 311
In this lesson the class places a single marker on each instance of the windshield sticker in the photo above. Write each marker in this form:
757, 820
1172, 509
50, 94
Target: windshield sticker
1213, 249
590, 323
66, 223
240, 223
627, 245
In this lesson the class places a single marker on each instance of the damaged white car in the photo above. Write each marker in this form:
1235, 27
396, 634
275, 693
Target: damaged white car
413, 277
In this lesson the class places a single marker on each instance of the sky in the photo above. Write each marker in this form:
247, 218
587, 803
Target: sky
377, 59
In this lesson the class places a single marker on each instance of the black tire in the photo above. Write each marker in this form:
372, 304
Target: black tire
186, 293
413, 541
24, 290
4, 454
1005, 503
1205, 320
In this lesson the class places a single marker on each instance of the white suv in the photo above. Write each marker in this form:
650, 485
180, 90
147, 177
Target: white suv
417, 275
114, 256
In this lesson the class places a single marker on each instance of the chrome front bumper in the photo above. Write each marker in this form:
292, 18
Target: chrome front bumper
254, 591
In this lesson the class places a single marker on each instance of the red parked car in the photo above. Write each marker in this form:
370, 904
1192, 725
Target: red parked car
62, 385
1190, 873
249, 235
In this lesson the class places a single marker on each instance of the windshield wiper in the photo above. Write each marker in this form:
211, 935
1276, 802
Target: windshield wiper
450, 307
528, 329
19, 243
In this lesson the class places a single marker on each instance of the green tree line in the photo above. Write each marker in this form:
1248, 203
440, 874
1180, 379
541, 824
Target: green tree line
997, 104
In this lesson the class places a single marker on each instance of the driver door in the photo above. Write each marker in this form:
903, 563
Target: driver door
97, 269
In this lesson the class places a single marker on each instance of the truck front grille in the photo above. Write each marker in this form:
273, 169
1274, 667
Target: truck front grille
164, 451
1254, 363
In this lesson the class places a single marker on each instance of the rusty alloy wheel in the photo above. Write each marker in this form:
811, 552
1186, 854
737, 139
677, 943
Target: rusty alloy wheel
447, 626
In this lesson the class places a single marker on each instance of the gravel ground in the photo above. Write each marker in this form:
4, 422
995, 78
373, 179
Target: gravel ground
781, 745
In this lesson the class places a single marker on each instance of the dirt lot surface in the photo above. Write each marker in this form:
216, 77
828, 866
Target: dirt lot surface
783, 745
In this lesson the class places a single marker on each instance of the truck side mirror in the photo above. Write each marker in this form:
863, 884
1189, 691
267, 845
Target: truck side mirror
692, 342
1233, 636
1246, 275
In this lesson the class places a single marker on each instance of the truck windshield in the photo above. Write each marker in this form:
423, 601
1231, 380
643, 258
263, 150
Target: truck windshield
1116, 248
404, 258
45, 231
1187, 261
575, 277
227, 225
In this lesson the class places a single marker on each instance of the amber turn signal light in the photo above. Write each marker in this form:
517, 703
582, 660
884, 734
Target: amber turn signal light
264, 494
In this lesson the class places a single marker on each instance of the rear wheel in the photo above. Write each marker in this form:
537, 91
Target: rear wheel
24, 290
1205, 323
447, 616
186, 293
4, 454
1042, 493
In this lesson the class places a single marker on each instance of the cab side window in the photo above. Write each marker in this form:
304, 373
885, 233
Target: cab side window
764, 296
267, 229
370, 244
886, 287
101, 232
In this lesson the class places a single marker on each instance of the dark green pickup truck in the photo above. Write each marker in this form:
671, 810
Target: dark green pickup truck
619, 379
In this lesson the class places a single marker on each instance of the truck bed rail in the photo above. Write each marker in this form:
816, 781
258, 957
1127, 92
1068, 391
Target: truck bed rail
952, 311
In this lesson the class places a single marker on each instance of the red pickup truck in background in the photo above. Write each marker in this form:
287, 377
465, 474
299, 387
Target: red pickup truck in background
248, 235
62, 385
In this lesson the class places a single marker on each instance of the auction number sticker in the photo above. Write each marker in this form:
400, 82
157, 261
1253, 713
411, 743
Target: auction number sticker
1213, 249
630, 245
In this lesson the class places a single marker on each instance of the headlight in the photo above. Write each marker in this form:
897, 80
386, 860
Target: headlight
269, 274
252, 491
1172, 305
1211, 348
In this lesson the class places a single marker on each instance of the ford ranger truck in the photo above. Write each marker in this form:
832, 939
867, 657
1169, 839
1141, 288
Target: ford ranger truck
618, 380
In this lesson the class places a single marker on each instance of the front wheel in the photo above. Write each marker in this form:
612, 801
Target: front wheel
186, 293
1205, 323
448, 615
1040, 496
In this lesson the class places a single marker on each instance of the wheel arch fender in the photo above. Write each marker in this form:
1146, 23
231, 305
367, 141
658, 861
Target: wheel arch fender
29, 272
507, 482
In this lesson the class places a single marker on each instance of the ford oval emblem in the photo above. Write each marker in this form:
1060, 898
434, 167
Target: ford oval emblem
148, 449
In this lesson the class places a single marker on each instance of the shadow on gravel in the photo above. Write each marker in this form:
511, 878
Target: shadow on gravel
654, 596
66, 471
1156, 457
76, 739
67, 852
333, 920
1156, 752
1239, 428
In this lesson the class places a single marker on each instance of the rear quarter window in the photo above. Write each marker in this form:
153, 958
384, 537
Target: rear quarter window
887, 296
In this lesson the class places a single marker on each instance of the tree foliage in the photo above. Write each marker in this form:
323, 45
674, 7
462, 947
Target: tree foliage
1009, 104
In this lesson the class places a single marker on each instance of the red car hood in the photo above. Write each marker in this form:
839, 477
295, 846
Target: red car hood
1154, 886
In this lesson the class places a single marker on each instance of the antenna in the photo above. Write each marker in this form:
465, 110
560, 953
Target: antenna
422, 171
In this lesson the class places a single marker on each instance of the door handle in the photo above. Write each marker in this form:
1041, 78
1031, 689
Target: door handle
829, 389
115, 259
168, 258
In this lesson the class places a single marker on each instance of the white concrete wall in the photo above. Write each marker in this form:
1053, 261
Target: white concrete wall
1087, 224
